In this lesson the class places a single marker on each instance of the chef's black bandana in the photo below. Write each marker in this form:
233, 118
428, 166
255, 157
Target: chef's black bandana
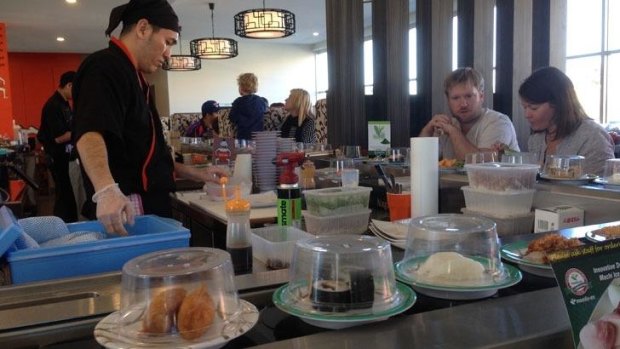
157, 12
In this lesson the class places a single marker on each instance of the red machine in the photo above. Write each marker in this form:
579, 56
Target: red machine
289, 161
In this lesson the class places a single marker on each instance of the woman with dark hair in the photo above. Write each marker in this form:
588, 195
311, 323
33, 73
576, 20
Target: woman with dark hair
559, 124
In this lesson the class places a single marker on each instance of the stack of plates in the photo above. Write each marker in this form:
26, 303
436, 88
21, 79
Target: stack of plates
394, 232
262, 161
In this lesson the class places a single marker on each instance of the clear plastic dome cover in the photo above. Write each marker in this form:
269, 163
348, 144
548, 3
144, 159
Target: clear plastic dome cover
452, 250
178, 294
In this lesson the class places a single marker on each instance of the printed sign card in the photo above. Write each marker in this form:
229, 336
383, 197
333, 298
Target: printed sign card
589, 277
378, 138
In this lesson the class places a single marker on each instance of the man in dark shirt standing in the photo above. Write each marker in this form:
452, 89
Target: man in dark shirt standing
118, 131
55, 134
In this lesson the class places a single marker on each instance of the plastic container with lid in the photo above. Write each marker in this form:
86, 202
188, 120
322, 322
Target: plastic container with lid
456, 254
495, 176
507, 225
347, 223
341, 275
499, 203
564, 167
612, 172
238, 233
273, 245
337, 201
162, 292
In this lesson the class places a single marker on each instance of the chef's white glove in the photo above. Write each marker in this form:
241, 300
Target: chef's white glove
114, 209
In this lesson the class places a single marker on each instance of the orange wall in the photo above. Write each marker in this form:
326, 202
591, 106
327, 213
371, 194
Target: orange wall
6, 107
34, 78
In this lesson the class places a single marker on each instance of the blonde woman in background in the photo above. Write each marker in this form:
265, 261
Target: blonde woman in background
248, 111
300, 122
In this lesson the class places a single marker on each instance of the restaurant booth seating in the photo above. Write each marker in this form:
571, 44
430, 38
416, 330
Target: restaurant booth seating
274, 117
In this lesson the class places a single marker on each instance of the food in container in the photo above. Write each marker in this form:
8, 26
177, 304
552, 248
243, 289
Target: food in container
564, 167
337, 201
451, 268
612, 171
345, 279
178, 295
454, 257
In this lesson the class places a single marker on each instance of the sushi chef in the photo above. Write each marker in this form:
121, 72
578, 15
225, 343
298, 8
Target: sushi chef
118, 133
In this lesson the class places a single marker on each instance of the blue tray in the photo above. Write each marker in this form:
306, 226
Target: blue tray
149, 233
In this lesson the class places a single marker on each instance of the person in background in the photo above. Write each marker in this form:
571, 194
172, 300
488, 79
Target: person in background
55, 135
299, 124
470, 128
558, 122
248, 111
117, 128
208, 125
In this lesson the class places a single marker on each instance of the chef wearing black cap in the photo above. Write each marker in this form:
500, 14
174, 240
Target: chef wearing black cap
117, 127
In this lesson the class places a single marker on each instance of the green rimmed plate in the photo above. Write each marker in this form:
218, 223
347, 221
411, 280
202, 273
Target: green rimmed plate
513, 276
514, 252
342, 320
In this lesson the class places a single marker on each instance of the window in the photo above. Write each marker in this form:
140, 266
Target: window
593, 56
321, 74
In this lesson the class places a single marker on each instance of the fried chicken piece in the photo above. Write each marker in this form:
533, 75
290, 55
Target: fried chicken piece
161, 314
550, 243
196, 314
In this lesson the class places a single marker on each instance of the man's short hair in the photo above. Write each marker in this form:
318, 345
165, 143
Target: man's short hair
464, 75
66, 78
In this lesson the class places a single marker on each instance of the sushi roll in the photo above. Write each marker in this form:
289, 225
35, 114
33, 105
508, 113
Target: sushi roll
362, 289
330, 295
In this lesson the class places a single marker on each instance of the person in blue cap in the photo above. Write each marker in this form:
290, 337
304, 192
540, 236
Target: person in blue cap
208, 125
117, 129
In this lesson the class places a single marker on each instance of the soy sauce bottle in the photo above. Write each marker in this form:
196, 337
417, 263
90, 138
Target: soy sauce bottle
238, 233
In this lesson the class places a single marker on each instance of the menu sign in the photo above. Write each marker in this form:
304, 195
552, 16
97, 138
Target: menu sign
589, 277
6, 110
378, 137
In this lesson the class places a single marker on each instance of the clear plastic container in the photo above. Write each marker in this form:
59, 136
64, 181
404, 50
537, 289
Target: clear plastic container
337, 201
564, 167
453, 250
348, 223
162, 291
342, 275
273, 245
512, 225
502, 176
612, 171
499, 203
215, 193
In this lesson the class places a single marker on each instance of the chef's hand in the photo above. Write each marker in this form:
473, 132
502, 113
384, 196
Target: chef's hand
114, 209
213, 174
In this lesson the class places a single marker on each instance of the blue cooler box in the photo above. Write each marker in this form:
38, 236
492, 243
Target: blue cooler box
149, 233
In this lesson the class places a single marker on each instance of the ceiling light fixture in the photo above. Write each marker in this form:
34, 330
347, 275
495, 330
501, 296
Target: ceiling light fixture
60, 39
264, 23
213, 48
182, 62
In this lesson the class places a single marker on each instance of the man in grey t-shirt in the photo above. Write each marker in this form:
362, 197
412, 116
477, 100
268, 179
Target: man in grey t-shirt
471, 128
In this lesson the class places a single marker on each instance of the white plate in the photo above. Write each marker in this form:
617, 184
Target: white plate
514, 253
108, 333
396, 230
405, 299
513, 276
402, 244
584, 179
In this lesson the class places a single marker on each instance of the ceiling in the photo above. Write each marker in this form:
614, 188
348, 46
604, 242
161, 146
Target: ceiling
33, 25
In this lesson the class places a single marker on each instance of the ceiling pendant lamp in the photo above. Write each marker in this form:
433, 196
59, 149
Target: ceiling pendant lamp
264, 23
213, 48
182, 62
